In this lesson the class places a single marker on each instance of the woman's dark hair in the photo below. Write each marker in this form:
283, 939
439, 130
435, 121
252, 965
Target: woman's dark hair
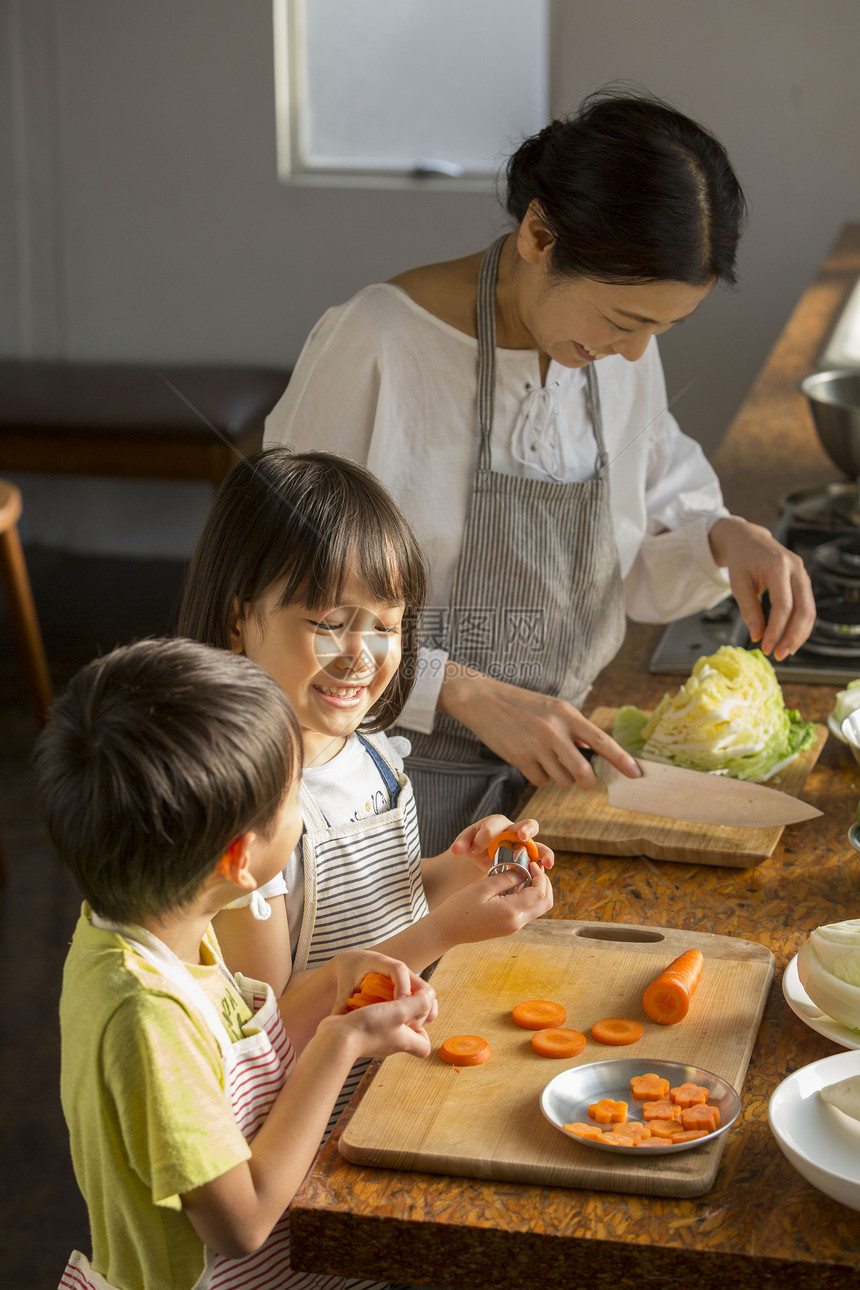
309, 519
155, 759
632, 191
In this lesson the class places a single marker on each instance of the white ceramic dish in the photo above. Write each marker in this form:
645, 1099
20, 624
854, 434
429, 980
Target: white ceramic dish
835, 728
802, 1006
566, 1098
821, 1142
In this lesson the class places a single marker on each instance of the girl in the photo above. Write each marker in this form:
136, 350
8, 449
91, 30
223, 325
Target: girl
306, 565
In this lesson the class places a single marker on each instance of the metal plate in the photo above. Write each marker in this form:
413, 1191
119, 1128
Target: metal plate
565, 1099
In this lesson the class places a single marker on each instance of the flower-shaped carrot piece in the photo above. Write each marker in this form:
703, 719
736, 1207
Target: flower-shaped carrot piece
661, 1110
663, 1129
688, 1135
701, 1117
630, 1129
649, 1087
689, 1094
608, 1112
581, 1130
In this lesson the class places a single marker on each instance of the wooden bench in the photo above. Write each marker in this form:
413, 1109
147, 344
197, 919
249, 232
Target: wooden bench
165, 421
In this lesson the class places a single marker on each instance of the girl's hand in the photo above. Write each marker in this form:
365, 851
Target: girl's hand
535, 733
756, 562
473, 842
481, 911
351, 965
380, 1029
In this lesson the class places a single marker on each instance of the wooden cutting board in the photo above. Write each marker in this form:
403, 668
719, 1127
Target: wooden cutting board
486, 1122
573, 819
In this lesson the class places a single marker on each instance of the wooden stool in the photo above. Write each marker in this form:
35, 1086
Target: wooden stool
21, 608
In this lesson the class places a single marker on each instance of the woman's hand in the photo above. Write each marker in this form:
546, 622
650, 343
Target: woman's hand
756, 563
533, 732
473, 842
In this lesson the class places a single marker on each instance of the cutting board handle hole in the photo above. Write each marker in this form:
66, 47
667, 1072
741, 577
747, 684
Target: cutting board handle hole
616, 933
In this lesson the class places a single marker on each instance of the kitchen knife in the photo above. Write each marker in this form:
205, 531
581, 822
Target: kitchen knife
702, 798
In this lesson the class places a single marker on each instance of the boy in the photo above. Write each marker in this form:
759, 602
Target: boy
168, 778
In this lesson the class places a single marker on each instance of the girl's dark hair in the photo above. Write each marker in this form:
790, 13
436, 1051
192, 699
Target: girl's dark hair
154, 760
632, 191
309, 519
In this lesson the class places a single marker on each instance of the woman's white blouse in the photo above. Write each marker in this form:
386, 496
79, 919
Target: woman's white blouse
386, 383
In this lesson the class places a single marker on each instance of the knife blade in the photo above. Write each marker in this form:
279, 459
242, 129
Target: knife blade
678, 794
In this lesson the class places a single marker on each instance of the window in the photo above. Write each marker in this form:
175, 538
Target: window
407, 91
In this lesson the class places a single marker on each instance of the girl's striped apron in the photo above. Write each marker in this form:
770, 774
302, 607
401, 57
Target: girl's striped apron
255, 1069
537, 601
362, 881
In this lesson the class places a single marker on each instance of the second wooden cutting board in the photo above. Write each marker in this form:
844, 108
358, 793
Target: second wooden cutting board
575, 820
485, 1121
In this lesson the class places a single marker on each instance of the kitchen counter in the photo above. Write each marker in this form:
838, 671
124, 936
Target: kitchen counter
761, 1225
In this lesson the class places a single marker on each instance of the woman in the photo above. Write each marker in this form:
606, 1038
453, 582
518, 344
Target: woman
514, 403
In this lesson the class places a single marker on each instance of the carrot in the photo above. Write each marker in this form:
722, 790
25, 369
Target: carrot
689, 1094
511, 837
377, 986
554, 1042
661, 1110
616, 1030
630, 1129
663, 1128
581, 1130
701, 1117
667, 999
537, 1014
373, 988
608, 1112
465, 1050
688, 1135
649, 1087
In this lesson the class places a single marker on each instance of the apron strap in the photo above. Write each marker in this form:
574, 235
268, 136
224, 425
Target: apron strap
486, 321
386, 772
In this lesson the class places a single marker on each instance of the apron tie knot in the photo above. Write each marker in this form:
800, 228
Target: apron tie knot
537, 435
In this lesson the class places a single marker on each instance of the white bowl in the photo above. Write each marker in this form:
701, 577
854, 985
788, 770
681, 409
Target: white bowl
821, 1142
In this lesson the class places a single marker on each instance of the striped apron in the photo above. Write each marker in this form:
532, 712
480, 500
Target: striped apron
362, 881
537, 601
255, 1068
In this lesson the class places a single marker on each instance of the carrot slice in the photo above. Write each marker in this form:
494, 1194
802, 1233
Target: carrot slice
667, 999
537, 1014
465, 1050
630, 1129
664, 1128
661, 1110
649, 1087
688, 1135
555, 1042
608, 1112
581, 1130
616, 1030
359, 1000
510, 836
689, 1094
376, 985
701, 1117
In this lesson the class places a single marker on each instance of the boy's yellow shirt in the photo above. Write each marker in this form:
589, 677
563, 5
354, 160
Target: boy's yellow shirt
142, 1088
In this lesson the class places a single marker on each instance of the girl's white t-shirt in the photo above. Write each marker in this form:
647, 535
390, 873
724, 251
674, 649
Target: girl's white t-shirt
347, 788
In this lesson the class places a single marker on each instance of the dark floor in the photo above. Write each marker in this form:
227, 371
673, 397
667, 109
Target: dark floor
85, 607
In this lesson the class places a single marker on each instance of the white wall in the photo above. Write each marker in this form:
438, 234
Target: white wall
141, 217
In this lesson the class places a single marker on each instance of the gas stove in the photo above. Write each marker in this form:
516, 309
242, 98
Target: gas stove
822, 525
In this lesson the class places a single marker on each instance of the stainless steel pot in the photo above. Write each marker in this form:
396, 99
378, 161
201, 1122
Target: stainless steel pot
834, 400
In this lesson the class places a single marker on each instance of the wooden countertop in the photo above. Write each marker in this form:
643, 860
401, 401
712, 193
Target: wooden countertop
761, 1225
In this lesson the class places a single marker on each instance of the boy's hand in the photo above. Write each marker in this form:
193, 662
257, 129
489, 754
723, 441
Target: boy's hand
351, 965
473, 842
380, 1029
482, 910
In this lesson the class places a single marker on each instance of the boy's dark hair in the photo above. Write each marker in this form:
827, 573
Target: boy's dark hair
309, 519
153, 761
632, 191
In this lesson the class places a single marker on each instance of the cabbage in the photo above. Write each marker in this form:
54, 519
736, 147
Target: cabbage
729, 718
828, 965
